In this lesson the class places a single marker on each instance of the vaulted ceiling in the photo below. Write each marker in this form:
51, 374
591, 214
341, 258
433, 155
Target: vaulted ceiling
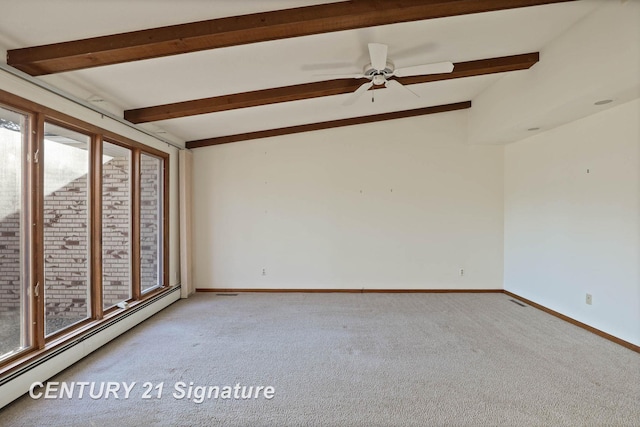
226, 71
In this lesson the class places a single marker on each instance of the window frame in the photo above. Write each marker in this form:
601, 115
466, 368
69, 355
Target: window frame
37, 116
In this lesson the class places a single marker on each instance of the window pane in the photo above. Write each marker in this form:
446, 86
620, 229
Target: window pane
66, 228
116, 224
150, 222
14, 303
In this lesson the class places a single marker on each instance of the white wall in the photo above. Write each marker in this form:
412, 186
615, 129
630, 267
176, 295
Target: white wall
186, 223
400, 204
569, 232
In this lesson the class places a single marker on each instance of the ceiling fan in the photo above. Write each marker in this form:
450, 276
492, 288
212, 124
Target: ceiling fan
380, 72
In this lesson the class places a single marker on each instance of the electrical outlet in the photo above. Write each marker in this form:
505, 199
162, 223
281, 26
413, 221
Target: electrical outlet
462, 272
264, 271
589, 299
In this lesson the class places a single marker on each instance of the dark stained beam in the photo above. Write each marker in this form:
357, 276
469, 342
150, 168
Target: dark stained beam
327, 125
244, 29
241, 100
317, 89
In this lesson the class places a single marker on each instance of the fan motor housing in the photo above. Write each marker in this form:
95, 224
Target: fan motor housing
378, 77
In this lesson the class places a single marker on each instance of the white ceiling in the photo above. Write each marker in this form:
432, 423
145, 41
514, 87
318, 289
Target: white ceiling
282, 62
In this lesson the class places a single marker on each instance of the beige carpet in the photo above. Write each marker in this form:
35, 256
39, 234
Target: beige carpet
353, 360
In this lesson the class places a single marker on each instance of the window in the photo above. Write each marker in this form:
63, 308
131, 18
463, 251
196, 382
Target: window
151, 173
83, 227
116, 224
66, 228
15, 307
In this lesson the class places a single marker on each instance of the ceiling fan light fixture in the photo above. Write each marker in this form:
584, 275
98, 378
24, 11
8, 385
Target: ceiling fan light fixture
379, 79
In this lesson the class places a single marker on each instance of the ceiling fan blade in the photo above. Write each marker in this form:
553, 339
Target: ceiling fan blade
378, 55
358, 93
418, 70
394, 84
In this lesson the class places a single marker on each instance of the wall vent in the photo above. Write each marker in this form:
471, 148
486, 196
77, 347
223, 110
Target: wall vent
517, 302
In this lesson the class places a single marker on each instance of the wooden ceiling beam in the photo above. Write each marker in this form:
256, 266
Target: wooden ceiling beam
317, 89
327, 125
244, 29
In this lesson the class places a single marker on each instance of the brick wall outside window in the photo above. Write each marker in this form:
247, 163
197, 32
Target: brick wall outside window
116, 230
149, 215
66, 240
